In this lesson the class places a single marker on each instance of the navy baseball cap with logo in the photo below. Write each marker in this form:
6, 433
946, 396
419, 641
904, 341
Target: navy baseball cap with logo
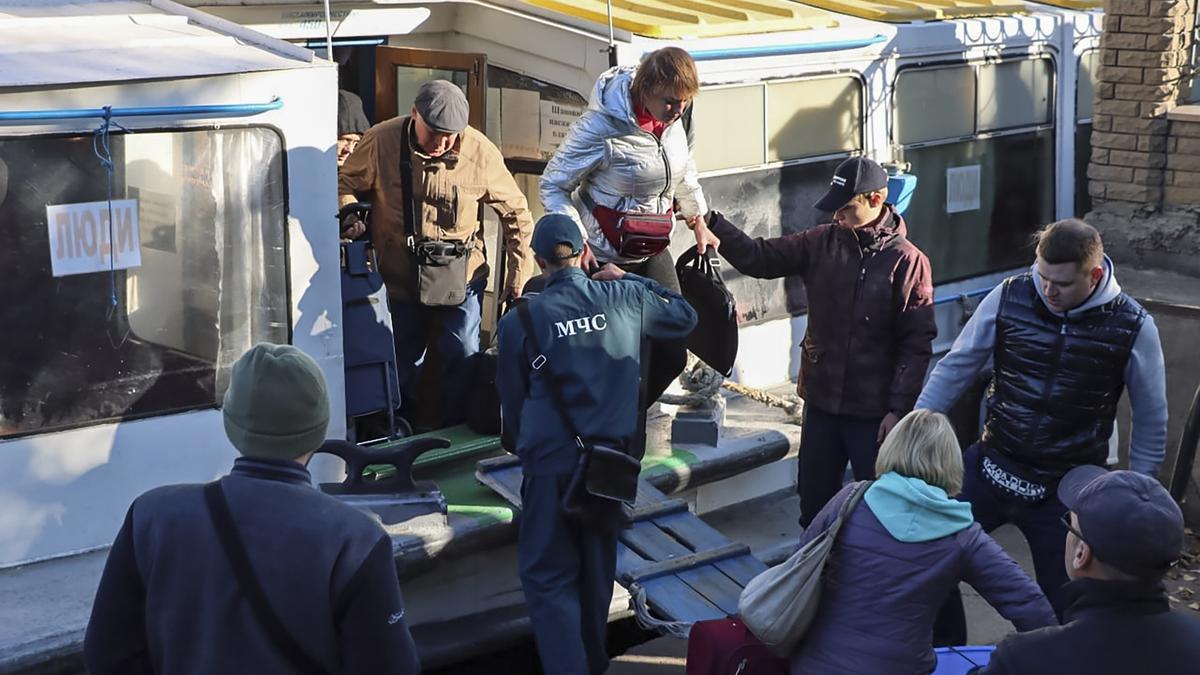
852, 177
553, 229
1127, 518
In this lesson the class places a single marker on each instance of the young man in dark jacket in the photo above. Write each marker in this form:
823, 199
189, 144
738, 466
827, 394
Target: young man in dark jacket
169, 600
587, 346
1124, 533
870, 323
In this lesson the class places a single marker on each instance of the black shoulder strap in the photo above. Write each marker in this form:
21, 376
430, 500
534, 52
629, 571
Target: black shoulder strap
539, 362
406, 182
218, 509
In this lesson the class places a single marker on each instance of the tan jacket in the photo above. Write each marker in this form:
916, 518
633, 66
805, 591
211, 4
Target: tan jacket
447, 191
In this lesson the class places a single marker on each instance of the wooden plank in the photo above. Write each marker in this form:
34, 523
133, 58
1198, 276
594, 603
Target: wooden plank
671, 598
653, 543
502, 477
700, 535
713, 586
676, 564
628, 559
691, 531
650, 511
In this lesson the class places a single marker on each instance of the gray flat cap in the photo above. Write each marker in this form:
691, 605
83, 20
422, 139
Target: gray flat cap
443, 106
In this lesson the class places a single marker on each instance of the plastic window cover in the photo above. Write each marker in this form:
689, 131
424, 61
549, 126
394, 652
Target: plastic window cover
767, 122
1011, 94
812, 117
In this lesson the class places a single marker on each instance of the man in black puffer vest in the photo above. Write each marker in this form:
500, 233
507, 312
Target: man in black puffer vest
1066, 342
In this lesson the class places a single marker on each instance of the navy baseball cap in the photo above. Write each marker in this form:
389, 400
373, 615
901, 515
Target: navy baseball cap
553, 229
1128, 518
852, 177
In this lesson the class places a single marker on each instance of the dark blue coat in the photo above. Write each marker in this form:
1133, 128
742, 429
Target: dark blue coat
591, 334
169, 601
1110, 628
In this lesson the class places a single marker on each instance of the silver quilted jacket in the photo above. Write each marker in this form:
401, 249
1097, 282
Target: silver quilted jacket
619, 164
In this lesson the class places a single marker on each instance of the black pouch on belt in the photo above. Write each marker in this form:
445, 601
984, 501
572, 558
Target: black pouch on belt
442, 272
441, 265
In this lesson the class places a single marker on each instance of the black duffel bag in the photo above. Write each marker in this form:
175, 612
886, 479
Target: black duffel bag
715, 339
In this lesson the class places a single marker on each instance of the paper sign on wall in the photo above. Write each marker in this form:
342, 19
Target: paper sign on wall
80, 239
557, 119
962, 188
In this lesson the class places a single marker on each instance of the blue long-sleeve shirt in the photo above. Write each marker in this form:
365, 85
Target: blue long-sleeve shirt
590, 333
1145, 377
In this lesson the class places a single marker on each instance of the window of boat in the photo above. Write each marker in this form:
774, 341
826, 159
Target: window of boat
980, 138
141, 312
1085, 95
777, 121
766, 152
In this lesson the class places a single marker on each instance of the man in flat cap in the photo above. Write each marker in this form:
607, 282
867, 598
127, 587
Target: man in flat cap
1123, 534
428, 235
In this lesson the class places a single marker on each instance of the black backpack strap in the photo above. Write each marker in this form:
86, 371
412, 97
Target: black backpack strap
231, 543
406, 184
539, 362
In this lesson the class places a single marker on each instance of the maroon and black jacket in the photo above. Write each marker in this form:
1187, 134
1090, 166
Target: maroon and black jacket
870, 310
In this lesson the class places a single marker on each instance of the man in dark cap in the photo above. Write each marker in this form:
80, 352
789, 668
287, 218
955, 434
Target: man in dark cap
584, 349
178, 593
351, 124
1123, 533
870, 323
435, 266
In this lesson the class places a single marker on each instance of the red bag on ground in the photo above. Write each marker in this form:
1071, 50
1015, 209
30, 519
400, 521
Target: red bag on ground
726, 647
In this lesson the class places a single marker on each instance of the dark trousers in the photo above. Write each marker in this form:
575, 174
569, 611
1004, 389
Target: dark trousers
668, 358
827, 442
567, 573
1040, 523
432, 346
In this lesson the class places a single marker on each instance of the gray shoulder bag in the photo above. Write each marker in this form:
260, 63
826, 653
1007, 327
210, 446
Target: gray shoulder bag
779, 604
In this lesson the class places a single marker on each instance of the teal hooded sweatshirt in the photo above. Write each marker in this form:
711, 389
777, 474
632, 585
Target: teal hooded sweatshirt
913, 511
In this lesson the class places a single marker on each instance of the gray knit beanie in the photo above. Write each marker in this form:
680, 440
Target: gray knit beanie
276, 406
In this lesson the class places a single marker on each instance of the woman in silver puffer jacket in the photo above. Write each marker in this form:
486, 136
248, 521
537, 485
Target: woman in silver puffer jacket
629, 155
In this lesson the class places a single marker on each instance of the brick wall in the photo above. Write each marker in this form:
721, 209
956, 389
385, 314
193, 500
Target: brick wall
1182, 182
1145, 52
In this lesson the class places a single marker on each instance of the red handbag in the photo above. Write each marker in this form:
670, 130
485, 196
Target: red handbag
635, 235
726, 647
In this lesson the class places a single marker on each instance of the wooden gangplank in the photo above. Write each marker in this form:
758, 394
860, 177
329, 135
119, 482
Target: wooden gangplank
688, 571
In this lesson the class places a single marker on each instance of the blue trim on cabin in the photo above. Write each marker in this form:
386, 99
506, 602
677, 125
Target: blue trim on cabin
785, 50
959, 296
233, 109
318, 44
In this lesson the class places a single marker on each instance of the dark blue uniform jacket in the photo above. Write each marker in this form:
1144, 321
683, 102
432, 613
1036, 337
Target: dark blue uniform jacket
590, 334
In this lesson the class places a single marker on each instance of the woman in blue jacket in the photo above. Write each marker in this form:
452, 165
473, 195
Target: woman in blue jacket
899, 554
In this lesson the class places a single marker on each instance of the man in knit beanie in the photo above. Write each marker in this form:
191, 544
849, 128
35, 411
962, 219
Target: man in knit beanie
325, 573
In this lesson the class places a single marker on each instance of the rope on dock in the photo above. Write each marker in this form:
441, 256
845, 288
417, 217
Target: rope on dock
702, 383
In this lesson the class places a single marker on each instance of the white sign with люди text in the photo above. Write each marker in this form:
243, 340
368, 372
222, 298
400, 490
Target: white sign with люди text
82, 240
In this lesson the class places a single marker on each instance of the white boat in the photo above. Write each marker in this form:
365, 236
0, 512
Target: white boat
225, 153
